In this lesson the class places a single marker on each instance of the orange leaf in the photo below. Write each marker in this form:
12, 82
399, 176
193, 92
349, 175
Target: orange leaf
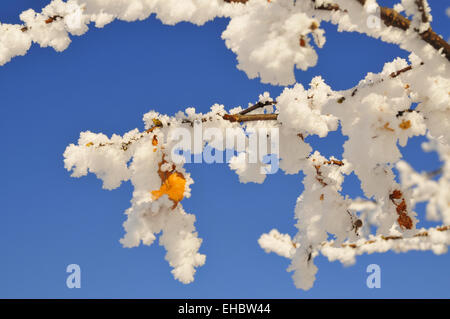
405, 124
173, 184
173, 187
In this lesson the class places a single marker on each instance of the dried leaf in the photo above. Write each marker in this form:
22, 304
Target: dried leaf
404, 125
302, 42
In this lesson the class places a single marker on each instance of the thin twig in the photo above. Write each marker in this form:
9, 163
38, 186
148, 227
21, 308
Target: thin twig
421, 234
257, 106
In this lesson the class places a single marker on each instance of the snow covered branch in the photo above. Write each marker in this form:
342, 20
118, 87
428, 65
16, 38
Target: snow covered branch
436, 239
391, 17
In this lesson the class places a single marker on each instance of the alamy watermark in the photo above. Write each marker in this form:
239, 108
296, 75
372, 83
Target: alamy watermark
218, 145
374, 279
74, 279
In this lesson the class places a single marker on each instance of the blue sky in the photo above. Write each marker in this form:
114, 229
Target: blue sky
104, 82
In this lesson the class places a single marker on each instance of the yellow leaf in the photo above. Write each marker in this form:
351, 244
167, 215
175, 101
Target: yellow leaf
89, 144
173, 187
157, 122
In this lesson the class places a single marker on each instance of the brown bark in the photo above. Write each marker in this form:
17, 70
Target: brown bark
250, 117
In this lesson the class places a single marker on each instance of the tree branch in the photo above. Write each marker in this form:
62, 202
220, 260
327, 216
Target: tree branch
243, 116
391, 17
250, 117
